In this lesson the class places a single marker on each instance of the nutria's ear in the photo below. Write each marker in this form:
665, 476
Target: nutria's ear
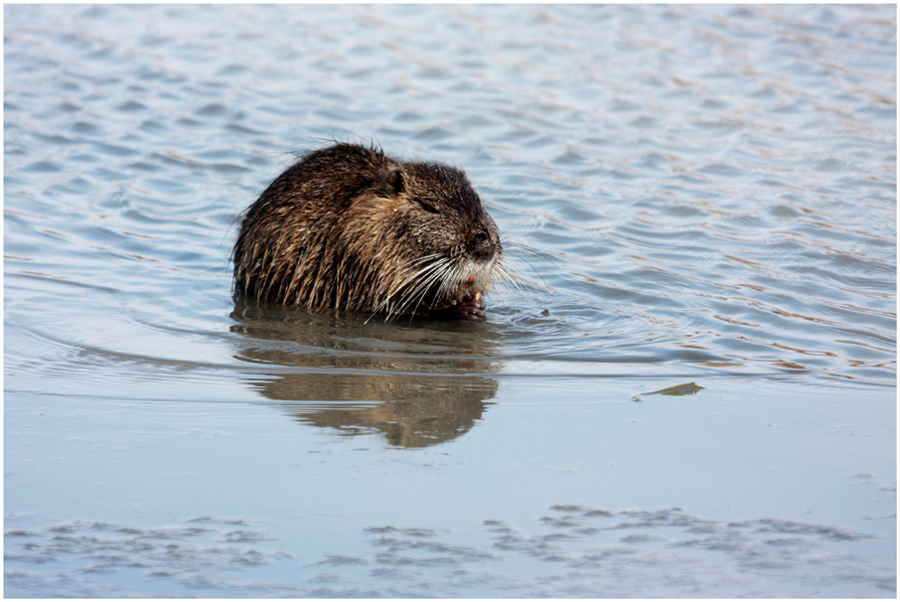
392, 181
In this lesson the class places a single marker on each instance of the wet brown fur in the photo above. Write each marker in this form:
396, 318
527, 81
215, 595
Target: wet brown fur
350, 228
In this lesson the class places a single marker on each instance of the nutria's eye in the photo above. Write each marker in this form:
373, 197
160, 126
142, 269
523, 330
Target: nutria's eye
427, 206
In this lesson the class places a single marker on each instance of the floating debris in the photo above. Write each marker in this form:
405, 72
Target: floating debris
685, 389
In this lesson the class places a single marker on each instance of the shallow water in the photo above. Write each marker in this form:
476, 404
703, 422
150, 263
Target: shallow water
693, 194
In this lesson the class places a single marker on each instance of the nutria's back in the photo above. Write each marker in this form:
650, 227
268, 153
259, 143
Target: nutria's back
350, 228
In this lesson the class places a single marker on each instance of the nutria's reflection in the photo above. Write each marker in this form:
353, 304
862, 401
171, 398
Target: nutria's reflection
427, 410
417, 383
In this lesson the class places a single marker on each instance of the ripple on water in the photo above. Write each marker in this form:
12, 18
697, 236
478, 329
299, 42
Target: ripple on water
715, 185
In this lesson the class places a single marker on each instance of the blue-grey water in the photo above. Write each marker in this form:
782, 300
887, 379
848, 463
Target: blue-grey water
696, 194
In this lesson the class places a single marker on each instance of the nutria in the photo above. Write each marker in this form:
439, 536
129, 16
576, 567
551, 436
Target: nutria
349, 228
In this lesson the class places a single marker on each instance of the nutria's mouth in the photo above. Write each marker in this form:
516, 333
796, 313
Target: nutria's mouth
464, 295
465, 305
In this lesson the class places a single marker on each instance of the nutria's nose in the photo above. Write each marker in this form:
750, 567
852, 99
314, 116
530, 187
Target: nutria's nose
481, 247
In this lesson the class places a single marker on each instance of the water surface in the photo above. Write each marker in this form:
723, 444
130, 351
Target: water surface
686, 195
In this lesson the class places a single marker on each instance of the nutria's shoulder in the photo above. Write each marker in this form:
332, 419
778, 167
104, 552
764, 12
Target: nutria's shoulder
351, 228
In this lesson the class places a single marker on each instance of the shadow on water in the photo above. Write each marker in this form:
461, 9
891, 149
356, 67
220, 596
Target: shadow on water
417, 382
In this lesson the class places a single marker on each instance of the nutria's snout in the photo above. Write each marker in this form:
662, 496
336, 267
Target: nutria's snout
350, 228
482, 247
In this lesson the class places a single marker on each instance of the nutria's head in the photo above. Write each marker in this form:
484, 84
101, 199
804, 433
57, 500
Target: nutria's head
426, 232
350, 228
